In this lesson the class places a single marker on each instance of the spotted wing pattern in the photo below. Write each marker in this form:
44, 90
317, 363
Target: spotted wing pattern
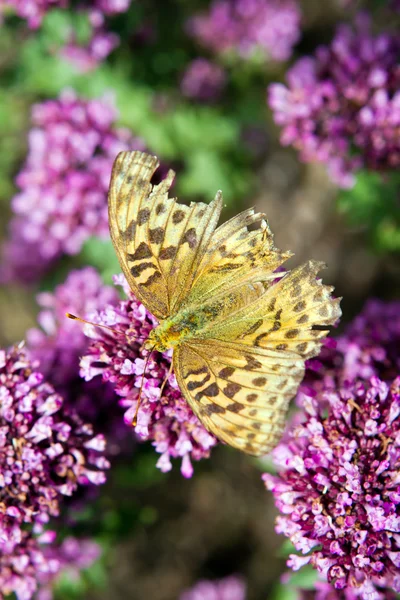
240, 394
241, 251
159, 242
240, 377
290, 316
238, 371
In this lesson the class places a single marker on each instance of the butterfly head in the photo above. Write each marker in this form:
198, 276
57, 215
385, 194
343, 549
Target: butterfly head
167, 335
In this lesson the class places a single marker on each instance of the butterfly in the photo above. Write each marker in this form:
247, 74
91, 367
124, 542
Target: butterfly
239, 329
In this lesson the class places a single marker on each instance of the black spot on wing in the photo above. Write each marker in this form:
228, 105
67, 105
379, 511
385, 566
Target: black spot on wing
303, 319
211, 409
178, 217
231, 389
190, 238
143, 216
299, 306
156, 235
301, 347
193, 385
137, 269
129, 232
196, 372
234, 407
210, 391
152, 279
252, 363
226, 372
292, 333
142, 251
225, 268
259, 381
253, 327
167, 253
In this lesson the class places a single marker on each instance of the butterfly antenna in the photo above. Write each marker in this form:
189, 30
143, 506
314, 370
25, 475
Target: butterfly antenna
134, 420
75, 318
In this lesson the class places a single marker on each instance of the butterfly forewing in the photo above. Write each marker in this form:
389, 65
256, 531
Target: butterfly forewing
159, 242
236, 255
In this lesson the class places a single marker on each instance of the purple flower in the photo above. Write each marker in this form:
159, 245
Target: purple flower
101, 43
368, 347
342, 106
34, 10
112, 7
46, 452
203, 80
338, 486
34, 563
23, 563
230, 588
168, 421
59, 343
245, 26
63, 185
325, 591
73, 555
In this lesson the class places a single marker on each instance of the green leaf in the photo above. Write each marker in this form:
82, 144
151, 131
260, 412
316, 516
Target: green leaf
100, 254
373, 204
304, 578
283, 592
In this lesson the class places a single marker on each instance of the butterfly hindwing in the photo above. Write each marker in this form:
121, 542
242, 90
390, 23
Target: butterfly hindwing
284, 317
240, 394
241, 372
158, 241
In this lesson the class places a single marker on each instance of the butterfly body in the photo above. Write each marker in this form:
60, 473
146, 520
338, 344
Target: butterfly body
240, 331
186, 324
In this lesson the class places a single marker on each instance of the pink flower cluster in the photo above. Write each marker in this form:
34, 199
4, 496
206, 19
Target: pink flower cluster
245, 26
203, 80
34, 10
337, 485
31, 10
46, 452
117, 356
230, 588
342, 106
59, 343
63, 185
324, 591
32, 565
87, 56
101, 42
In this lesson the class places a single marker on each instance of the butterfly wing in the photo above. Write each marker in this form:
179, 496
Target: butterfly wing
240, 394
291, 315
159, 242
239, 373
240, 377
240, 252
